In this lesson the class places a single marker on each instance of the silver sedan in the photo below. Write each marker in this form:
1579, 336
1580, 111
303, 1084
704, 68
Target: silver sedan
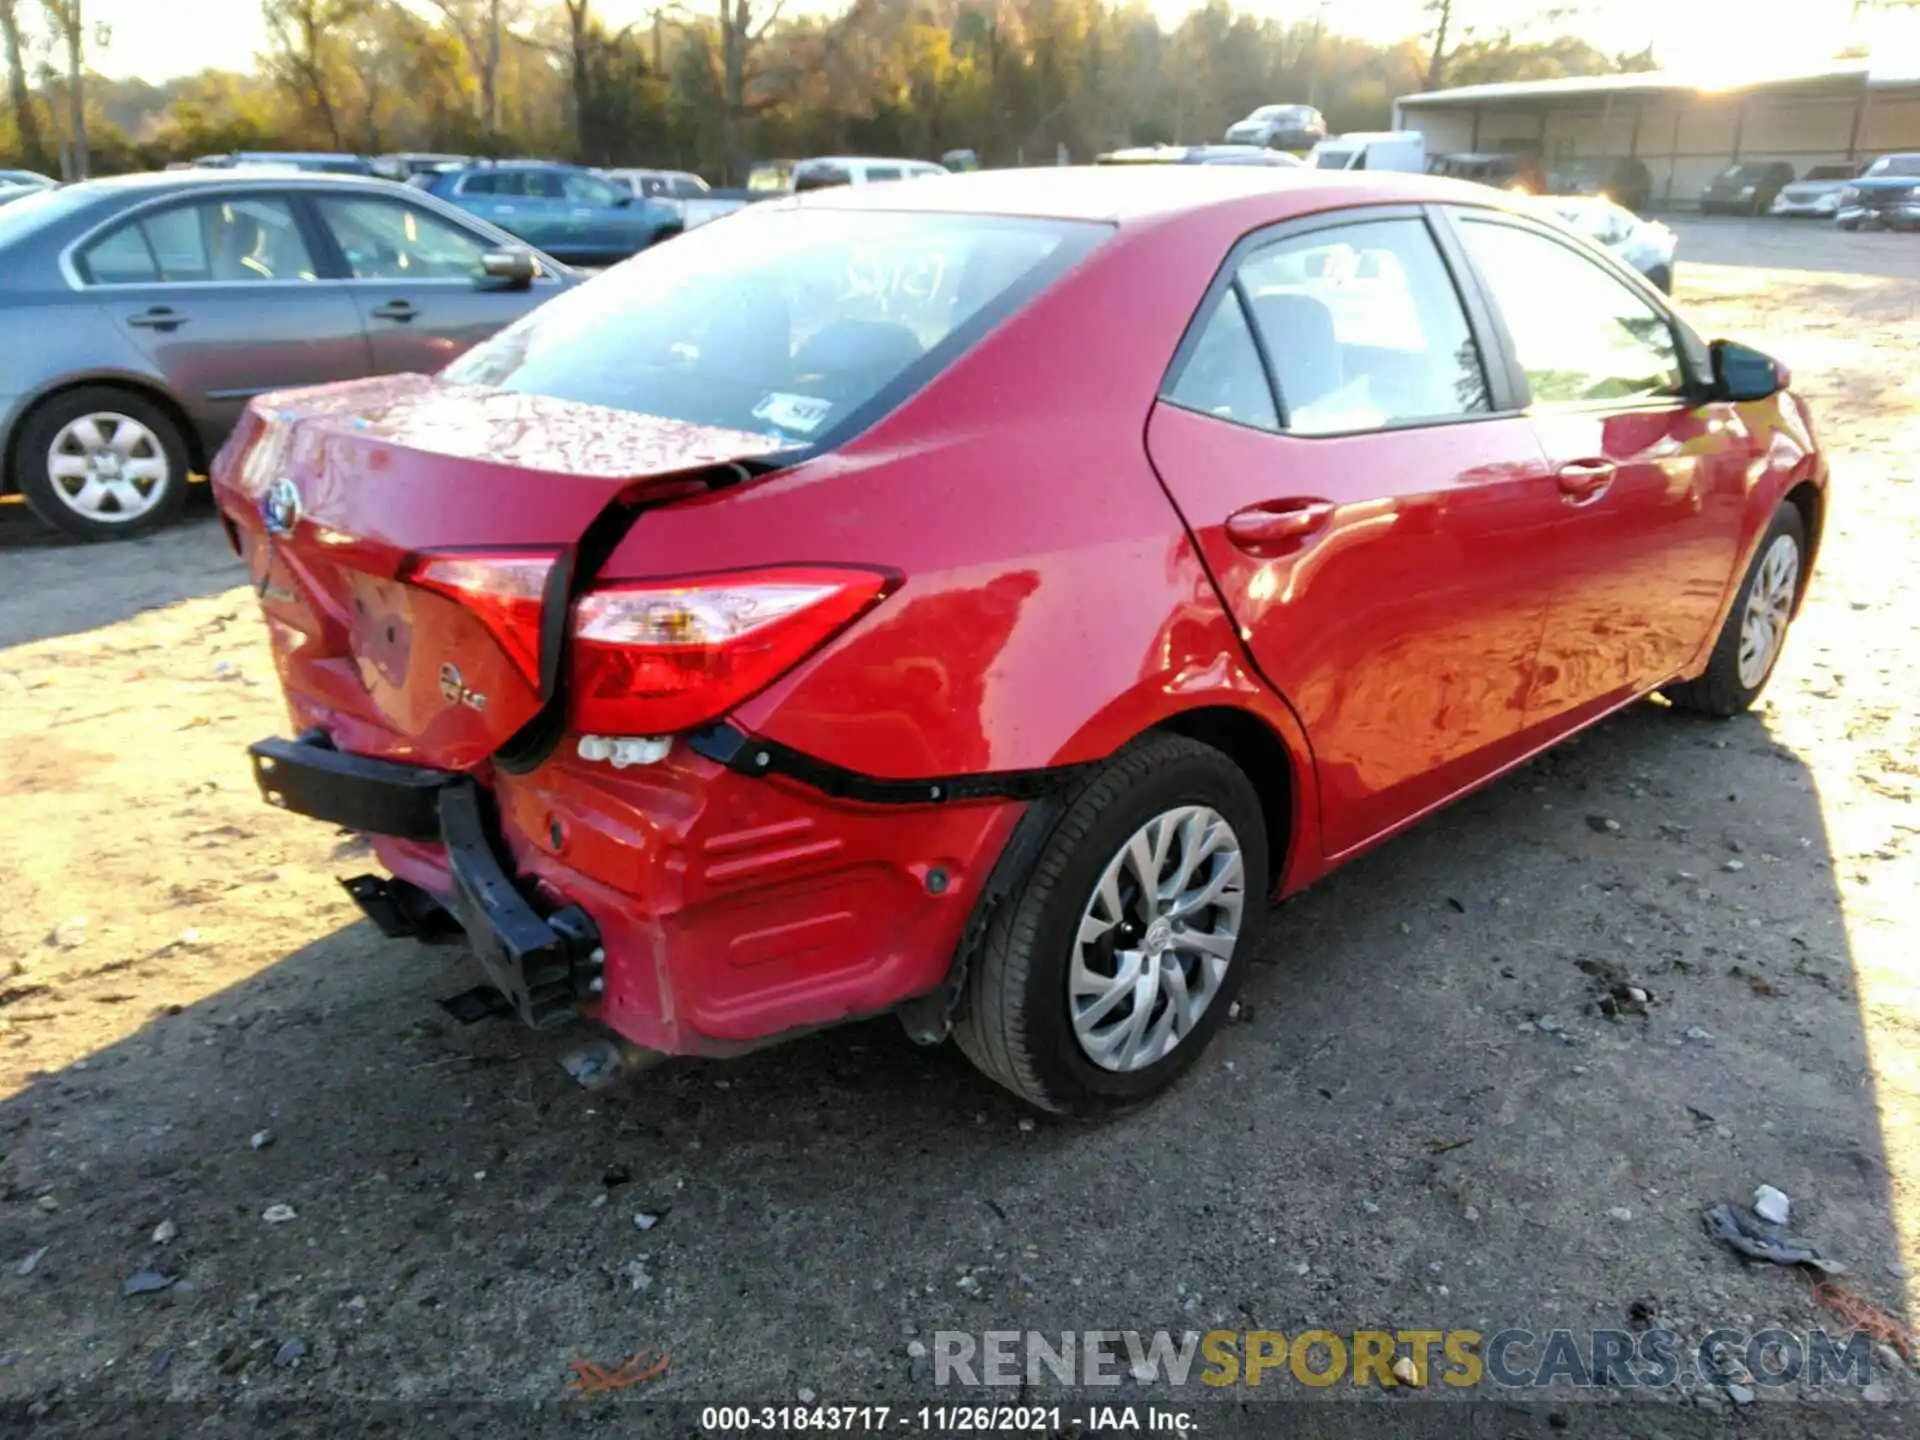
143, 312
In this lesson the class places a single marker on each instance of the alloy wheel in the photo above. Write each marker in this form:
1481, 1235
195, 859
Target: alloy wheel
1763, 627
1156, 938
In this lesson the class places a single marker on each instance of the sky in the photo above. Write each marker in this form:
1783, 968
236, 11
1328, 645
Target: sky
154, 39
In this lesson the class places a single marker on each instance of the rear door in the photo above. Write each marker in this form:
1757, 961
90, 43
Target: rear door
225, 295
1652, 484
417, 281
1377, 517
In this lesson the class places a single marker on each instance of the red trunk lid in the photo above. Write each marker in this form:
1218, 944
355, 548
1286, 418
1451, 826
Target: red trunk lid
341, 495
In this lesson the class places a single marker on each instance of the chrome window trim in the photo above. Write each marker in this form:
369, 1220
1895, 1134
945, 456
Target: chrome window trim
347, 185
70, 270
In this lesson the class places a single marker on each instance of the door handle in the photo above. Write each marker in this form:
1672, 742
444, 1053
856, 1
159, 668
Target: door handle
1277, 524
401, 310
1583, 480
158, 317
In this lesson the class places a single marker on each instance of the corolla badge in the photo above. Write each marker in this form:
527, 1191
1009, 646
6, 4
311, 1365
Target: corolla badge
280, 507
453, 689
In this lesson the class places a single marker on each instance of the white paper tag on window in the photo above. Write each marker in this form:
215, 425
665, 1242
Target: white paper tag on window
792, 412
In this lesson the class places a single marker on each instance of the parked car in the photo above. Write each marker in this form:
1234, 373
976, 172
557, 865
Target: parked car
1280, 127
404, 164
27, 179
687, 193
825, 171
1516, 172
1201, 155
1623, 179
1746, 188
14, 190
932, 599
1646, 245
567, 210
1887, 193
1404, 150
159, 304
321, 162
1816, 193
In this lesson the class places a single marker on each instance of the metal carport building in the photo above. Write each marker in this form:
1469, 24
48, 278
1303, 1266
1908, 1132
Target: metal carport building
1683, 132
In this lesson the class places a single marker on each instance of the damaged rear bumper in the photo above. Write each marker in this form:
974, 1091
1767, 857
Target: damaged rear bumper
546, 964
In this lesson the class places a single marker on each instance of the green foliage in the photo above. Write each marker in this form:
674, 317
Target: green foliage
1010, 79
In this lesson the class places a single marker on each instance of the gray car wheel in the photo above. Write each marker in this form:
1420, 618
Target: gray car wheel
101, 463
1106, 973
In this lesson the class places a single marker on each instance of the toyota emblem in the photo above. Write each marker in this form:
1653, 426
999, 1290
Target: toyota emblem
280, 507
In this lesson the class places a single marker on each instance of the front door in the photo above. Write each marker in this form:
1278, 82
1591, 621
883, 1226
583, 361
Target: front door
418, 281
223, 295
1380, 530
1653, 484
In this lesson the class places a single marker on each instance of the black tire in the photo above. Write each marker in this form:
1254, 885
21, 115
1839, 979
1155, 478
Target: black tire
44, 425
1719, 691
1013, 1021
1661, 278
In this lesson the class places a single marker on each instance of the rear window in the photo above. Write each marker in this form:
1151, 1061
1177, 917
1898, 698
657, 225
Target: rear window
791, 322
1895, 165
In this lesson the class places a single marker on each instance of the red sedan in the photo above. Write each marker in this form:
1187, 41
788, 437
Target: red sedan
976, 598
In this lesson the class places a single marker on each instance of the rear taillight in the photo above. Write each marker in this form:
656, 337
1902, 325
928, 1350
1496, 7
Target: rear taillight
658, 657
501, 589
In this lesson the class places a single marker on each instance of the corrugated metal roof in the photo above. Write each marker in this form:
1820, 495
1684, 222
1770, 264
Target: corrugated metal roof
1574, 87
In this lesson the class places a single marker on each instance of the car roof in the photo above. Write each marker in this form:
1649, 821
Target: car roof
1136, 194
863, 160
162, 180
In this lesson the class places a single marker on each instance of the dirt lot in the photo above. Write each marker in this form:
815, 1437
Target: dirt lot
1422, 1120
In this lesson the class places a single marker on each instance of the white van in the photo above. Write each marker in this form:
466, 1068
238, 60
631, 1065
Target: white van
1402, 150
825, 170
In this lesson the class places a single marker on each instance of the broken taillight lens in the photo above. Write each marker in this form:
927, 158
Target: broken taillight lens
658, 657
501, 589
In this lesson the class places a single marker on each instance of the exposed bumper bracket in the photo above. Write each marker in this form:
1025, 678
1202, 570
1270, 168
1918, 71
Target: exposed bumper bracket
544, 965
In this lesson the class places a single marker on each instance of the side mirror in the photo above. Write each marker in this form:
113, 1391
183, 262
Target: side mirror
1743, 373
507, 270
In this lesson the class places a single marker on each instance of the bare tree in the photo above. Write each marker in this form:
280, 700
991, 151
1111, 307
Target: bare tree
33, 150
1442, 13
580, 87
300, 31
740, 32
478, 25
69, 28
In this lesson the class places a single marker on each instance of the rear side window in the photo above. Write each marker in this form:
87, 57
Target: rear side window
232, 239
790, 322
1223, 376
1581, 333
1363, 328
483, 184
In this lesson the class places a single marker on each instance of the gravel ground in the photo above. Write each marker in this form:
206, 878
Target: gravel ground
1421, 1119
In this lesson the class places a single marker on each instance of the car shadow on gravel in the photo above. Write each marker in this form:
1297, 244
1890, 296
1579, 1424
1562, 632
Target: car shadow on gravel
48, 595
1420, 1118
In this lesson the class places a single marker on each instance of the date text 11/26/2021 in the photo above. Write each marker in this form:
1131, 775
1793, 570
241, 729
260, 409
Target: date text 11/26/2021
943, 1419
